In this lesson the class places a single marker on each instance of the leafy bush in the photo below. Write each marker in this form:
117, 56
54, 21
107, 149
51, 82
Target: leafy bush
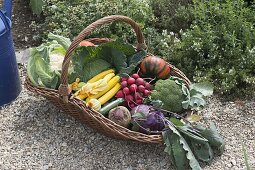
171, 14
68, 18
219, 46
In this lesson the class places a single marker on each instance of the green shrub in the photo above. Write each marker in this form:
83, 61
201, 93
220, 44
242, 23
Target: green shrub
219, 46
171, 14
69, 18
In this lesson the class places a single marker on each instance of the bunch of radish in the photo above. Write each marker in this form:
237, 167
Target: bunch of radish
133, 89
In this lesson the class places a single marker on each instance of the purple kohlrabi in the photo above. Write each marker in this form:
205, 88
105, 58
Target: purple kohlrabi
147, 119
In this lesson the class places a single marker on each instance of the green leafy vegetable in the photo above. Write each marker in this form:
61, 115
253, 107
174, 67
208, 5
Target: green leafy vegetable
186, 143
133, 62
64, 42
45, 62
213, 137
202, 150
120, 45
176, 150
117, 58
116, 54
176, 122
189, 132
205, 88
86, 71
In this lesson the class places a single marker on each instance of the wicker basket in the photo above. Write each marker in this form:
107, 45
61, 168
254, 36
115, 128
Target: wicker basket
64, 99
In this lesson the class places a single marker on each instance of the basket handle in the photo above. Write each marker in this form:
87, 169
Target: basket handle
64, 91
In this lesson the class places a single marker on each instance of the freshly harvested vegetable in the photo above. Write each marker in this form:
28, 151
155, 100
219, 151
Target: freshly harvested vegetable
100, 76
107, 107
120, 115
109, 76
107, 96
110, 85
77, 85
152, 66
45, 62
94, 104
170, 94
86, 43
187, 144
147, 119
91, 89
130, 80
135, 76
133, 90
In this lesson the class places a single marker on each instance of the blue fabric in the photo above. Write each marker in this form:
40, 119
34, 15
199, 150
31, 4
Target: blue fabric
10, 86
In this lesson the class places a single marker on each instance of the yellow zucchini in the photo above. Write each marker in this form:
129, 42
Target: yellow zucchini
110, 85
109, 76
107, 96
100, 76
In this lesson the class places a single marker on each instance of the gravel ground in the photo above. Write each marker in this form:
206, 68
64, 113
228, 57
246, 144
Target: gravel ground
34, 134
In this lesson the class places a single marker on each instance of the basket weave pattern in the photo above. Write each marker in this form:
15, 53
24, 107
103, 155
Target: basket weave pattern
76, 108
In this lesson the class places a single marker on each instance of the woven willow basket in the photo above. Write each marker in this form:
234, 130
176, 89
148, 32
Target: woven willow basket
64, 99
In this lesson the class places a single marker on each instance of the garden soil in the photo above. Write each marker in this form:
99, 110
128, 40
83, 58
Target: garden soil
25, 33
34, 134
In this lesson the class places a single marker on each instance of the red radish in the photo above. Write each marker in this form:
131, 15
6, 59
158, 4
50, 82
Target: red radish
138, 96
139, 81
133, 88
135, 76
126, 90
129, 98
119, 94
124, 84
124, 78
141, 88
131, 80
140, 101
147, 86
147, 92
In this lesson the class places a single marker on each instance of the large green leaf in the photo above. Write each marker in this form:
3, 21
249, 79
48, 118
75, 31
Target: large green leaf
65, 42
193, 163
189, 132
36, 6
167, 141
88, 70
198, 144
202, 150
120, 45
47, 78
205, 88
133, 62
115, 57
212, 135
197, 101
179, 154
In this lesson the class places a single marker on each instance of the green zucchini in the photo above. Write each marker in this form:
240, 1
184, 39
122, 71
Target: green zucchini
104, 110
